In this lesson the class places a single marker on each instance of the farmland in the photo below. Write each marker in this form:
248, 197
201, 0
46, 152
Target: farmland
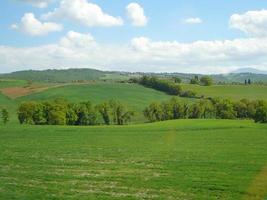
235, 92
179, 159
186, 159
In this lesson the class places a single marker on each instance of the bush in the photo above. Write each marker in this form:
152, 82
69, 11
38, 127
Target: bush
162, 85
206, 81
5, 115
189, 94
261, 114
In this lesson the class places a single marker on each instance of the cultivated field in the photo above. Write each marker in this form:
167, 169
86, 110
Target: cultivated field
186, 159
234, 92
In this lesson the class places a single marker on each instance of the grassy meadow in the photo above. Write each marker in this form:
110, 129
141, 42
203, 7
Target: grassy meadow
184, 159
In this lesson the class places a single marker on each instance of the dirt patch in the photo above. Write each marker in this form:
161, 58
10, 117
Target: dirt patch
15, 92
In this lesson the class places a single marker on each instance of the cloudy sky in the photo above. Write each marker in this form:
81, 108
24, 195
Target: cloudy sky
204, 36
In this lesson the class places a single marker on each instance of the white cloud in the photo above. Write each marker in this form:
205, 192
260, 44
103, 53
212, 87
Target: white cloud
193, 20
32, 26
83, 12
37, 3
77, 40
141, 54
136, 14
253, 23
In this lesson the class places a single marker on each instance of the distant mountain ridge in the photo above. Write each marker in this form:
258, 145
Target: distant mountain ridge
54, 75
249, 70
74, 75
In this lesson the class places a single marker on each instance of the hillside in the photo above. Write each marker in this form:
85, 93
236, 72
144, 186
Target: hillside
135, 96
80, 75
56, 76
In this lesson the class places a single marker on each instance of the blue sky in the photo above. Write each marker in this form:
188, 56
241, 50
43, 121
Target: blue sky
166, 24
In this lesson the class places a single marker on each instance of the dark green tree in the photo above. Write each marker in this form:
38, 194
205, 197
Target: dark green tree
5, 115
206, 81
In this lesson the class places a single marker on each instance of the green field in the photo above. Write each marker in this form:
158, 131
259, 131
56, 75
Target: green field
5, 83
186, 159
235, 92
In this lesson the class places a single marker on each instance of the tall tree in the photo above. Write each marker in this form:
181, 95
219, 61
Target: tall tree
5, 116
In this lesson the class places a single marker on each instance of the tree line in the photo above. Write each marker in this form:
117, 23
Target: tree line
166, 86
61, 112
207, 109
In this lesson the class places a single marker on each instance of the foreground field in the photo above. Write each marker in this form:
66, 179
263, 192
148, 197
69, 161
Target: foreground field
186, 159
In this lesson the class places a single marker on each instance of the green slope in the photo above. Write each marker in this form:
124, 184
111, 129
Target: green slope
229, 91
135, 96
186, 159
56, 76
6, 83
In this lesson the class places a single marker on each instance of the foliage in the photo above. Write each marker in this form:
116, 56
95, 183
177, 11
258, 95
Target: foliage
60, 112
162, 85
206, 81
177, 79
206, 109
5, 115
261, 113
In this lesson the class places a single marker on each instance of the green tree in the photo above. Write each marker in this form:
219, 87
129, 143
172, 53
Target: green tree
196, 111
5, 116
224, 109
28, 114
261, 114
206, 81
177, 108
121, 114
55, 113
153, 112
177, 80
71, 115
105, 111
194, 81
87, 114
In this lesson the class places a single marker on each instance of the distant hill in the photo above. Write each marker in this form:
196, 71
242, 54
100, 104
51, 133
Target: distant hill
249, 70
59, 76
74, 75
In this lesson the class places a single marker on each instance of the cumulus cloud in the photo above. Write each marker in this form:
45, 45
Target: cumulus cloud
83, 12
37, 3
32, 26
253, 23
136, 14
193, 20
140, 54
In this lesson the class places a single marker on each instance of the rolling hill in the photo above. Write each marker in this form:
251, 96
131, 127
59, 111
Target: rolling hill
76, 75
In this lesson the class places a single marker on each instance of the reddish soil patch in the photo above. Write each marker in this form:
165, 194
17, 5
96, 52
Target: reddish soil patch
16, 92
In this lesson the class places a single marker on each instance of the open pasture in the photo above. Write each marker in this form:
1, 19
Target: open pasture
185, 159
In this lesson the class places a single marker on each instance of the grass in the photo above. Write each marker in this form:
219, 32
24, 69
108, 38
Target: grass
185, 159
6, 83
235, 92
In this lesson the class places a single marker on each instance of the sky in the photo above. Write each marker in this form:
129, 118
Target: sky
188, 36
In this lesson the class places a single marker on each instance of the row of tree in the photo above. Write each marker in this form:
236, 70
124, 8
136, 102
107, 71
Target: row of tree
60, 112
208, 108
166, 86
